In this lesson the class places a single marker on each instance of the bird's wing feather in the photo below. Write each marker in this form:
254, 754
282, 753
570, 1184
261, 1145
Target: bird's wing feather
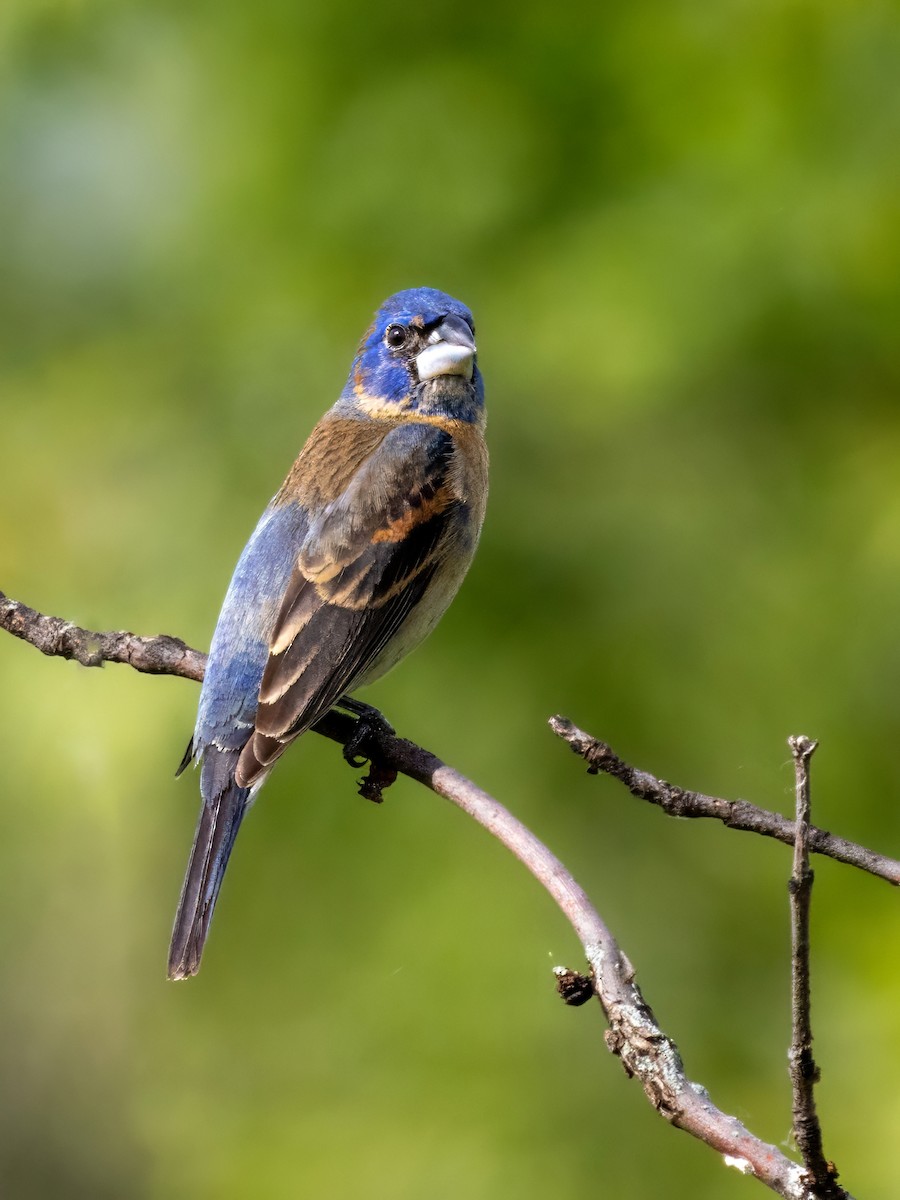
367, 560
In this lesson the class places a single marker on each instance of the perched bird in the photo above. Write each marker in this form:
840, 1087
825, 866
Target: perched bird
351, 565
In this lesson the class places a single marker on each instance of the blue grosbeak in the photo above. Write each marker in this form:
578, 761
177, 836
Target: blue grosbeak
351, 565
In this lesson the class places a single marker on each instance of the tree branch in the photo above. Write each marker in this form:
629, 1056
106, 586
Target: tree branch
55, 637
159, 655
804, 1072
634, 1035
736, 814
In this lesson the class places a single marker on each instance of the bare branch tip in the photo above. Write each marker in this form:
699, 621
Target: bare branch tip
598, 755
801, 746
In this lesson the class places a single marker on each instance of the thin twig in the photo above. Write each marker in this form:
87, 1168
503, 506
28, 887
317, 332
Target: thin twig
803, 1069
634, 1035
736, 814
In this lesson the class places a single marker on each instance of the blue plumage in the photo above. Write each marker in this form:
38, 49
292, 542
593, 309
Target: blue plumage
386, 376
351, 565
240, 645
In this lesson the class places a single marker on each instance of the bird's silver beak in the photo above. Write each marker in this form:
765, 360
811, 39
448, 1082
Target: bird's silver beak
450, 350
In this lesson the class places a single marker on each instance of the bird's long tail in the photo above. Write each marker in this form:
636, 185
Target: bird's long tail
224, 805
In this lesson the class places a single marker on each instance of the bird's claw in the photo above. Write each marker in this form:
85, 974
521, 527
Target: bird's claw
371, 728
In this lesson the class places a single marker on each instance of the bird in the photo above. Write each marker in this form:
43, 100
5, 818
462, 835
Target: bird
351, 565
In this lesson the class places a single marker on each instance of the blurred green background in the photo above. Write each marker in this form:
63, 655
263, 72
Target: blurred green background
678, 225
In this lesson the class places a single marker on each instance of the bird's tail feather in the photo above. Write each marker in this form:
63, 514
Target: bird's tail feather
224, 805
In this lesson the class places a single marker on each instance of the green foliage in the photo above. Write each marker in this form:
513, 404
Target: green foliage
677, 227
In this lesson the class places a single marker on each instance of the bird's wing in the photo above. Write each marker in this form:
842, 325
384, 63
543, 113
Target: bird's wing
367, 560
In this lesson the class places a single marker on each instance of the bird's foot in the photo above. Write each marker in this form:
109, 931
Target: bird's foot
371, 726
362, 747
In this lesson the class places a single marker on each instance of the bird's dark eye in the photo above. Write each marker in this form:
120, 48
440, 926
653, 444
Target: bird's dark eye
395, 336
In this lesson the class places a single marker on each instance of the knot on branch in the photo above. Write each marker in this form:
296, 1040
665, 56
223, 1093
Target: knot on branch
645, 1052
802, 880
76, 644
678, 802
804, 1064
651, 1058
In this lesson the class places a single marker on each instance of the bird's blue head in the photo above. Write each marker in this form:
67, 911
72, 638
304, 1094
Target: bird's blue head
418, 358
